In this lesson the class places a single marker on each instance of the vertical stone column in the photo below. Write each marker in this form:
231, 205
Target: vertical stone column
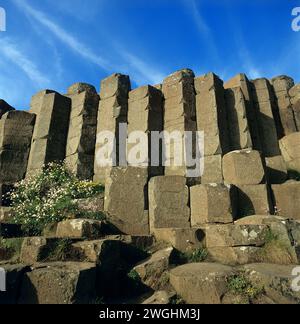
16, 129
264, 101
212, 120
145, 114
239, 130
179, 114
36, 102
281, 86
241, 81
50, 132
112, 111
294, 93
4, 107
81, 141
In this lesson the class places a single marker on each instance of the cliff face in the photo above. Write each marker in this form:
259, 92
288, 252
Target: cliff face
225, 199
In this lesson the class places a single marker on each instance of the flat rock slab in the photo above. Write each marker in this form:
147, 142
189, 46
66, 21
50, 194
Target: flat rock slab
201, 283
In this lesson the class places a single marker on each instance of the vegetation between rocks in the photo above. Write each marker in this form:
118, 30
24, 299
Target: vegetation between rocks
48, 197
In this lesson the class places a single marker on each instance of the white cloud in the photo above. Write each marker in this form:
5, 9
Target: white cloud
12, 53
141, 71
63, 35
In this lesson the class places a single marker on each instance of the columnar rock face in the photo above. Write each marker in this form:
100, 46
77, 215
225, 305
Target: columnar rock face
240, 81
81, 141
281, 86
239, 131
145, 115
50, 132
112, 111
36, 103
179, 115
4, 107
126, 199
16, 129
168, 202
295, 101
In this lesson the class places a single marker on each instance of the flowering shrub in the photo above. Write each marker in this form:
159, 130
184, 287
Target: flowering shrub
48, 197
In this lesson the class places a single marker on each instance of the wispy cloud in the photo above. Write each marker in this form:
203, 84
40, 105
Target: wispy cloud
11, 52
68, 39
204, 29
142, 72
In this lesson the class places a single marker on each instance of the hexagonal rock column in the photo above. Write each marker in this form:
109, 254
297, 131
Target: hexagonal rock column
281, 85
287, 199
145, 115
4, 107
243, 168
179, 114
168, 203
113, 109
239, 132
126, 200
16, 128
240, 100
294, 94
211, 204
50, 132
290, 149
81, 141
212, 120
36, 102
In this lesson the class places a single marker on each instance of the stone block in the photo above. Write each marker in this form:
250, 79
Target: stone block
59, 283
211, 203
253, 200
168, 202
232, 235
182, 239
212, 172
80, 228
126, 200
276, 169
243, 167
287, 198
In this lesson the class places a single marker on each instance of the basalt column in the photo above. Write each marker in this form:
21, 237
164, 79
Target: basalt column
281, 86
81, 141
16, 129
212, 120
112, 113
179, 117
145, 115
264, 101
50, 132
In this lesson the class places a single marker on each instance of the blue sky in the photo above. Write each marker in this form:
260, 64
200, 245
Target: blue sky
52, 44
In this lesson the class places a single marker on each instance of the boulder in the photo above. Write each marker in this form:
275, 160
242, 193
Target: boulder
152, 270
160, 297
